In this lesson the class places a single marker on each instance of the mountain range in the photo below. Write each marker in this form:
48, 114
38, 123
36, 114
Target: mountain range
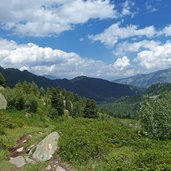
146, 80
94, 88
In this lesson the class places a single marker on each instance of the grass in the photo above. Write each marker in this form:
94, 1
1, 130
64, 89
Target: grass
35, 167
3, 160
15, 125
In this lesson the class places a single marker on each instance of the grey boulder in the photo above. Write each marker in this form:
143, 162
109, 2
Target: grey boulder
47, 147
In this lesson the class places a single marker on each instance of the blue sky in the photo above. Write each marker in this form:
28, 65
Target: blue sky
98, 38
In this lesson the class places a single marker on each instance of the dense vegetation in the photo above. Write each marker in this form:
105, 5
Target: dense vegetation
124, 107
29, 97
90, 138
158, 89
129, 107
155, 116
110, 145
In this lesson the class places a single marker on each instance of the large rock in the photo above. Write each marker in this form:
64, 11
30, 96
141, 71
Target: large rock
3, 102
47, 147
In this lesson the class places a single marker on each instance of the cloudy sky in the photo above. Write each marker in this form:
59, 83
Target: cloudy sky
99, 38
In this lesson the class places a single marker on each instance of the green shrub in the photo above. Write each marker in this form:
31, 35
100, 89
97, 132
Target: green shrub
31, 105
7, 121
86, 139
52, 112
136, 158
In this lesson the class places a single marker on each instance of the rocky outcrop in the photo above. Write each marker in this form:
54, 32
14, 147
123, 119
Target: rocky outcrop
46, 148
21, 155
3, 102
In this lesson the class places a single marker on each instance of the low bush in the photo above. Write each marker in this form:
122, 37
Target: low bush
154, 158
86, 139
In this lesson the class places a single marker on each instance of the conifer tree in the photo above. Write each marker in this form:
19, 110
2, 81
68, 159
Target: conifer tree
57, 101
90, 110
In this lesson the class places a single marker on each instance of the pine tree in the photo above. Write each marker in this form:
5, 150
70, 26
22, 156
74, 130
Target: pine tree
57, 101
90, 110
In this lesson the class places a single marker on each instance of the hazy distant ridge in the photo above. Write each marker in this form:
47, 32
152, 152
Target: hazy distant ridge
146, 80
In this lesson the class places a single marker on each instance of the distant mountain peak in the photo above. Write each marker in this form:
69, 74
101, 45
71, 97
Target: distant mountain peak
94, 88
146, 80
49, 77
79, 78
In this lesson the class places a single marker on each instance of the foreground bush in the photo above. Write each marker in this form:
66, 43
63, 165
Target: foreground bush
137, 158
97, 145
86, 139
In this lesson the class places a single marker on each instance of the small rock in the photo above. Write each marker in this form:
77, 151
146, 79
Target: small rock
27, 115
18, 161
59, 168
48, 167
20, 149
24, 141
30, 135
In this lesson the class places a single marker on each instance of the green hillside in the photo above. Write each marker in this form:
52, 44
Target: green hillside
90, 139
128, 107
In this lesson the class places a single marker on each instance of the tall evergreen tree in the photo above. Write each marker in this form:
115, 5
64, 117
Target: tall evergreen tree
90, 110
57, 101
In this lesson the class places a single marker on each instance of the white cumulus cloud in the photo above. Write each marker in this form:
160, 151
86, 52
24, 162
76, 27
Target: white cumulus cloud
48, 17
127, 47
155, 59
122, 63
166, 31
45, 60
126, 8
114, 33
